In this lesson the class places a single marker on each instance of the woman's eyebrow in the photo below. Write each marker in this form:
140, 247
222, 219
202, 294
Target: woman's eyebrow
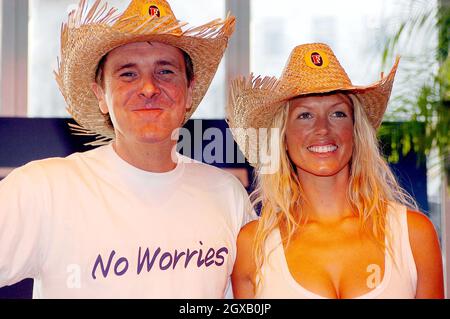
339, 103
312, 107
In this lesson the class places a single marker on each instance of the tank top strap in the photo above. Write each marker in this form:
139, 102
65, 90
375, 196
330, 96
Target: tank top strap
397, 217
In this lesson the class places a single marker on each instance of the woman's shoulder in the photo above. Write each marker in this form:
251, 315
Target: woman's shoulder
249, 230
419, 225
420, 230
427, 255
422, 237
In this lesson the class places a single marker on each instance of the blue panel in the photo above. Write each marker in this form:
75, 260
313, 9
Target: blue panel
412, 176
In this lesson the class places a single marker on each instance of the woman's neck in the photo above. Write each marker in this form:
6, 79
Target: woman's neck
326, 199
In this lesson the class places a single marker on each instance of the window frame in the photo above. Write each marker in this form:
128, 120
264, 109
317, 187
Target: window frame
14, 62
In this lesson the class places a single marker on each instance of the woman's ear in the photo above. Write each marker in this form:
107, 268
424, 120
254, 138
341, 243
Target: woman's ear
100, 94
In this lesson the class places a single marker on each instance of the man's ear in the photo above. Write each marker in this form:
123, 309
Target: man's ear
189, 95
100, 94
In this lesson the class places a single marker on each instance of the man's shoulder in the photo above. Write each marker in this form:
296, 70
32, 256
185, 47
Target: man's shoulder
55, 164
207, 171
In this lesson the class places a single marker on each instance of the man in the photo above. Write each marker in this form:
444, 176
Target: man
130, 219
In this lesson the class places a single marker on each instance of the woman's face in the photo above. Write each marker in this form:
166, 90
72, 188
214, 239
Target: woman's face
319, 134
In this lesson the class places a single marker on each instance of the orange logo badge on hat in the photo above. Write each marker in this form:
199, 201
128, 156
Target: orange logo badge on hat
316, 59
154, 10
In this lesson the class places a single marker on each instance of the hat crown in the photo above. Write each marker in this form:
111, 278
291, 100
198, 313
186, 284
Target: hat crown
313, 68
146, 9
140, 12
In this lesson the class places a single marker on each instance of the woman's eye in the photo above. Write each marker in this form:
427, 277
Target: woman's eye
339, 114
304, 116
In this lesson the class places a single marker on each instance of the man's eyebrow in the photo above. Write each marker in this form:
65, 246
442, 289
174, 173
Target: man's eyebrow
163, 62
124, 66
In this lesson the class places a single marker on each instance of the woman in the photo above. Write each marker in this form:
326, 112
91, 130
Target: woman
334, 221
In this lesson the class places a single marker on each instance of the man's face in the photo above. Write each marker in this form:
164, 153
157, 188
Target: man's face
145, 90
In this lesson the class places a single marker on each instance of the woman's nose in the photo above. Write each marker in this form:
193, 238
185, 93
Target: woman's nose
321, 126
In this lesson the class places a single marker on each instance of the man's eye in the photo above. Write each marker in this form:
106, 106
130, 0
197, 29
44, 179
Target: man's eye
166, 72
128, 74
304, 116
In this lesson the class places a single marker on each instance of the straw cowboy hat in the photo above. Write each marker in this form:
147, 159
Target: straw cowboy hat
311, 69
89, 34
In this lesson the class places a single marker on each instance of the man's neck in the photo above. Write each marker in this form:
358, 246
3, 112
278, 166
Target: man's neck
150, 157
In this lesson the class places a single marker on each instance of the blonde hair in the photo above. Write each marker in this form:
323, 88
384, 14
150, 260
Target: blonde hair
371, 188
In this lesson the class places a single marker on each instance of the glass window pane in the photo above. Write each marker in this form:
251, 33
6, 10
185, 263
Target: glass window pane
198, 12
356, 30
46, 17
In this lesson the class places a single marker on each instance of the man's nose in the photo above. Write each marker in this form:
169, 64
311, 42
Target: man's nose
149, 88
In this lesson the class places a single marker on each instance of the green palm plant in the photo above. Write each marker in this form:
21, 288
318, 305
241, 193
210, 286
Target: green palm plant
424, 104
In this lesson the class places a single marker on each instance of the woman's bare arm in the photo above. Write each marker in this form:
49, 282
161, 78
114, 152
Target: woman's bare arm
427, 256
243, 276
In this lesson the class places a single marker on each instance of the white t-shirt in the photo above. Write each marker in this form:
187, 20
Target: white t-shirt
93, 226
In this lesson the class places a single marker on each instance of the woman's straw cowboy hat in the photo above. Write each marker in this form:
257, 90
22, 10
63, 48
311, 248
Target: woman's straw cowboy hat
311, 69
89, 34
